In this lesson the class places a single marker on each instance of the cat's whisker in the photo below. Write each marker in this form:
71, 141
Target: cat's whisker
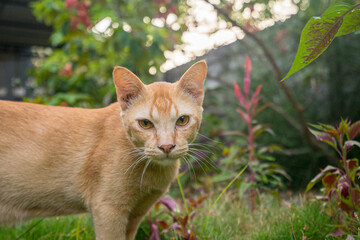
189, 164
133, 153
207, 152
143, 173
198, 161
203, 146
141, 158
209, 139
202, 158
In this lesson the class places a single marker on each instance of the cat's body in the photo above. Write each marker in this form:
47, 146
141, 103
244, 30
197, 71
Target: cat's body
59, 160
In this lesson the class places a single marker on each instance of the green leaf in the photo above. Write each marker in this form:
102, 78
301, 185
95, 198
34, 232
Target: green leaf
343, 128
351, 23
223, 176
57, 38
318, 33
266, 157
245, 186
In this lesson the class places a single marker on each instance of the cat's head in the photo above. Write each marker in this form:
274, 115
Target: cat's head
161, 118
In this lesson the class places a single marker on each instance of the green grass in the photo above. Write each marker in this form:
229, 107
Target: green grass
289, 220
59, 228
231, 219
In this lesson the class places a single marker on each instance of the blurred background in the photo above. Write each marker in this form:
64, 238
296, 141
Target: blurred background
62, 52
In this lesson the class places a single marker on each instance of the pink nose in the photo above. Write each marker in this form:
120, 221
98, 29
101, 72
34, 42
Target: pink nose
166, 148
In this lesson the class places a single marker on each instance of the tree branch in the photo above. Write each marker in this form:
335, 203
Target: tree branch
303, 130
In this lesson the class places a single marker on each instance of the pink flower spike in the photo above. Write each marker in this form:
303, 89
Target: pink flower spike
238, 94
247, 75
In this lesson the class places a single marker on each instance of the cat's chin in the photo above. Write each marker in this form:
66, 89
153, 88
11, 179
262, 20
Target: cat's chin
165, 161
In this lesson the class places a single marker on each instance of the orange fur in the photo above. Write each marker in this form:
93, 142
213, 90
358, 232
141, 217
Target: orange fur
59, 160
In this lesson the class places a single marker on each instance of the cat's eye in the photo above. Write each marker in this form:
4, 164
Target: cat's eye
182, 121
146, 124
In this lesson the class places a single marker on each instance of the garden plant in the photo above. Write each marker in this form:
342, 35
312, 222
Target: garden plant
229, 198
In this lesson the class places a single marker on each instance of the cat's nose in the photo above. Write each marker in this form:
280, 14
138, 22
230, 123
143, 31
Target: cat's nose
166, 148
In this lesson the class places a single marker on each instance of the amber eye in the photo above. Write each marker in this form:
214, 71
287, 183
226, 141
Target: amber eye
182, 121
146, 124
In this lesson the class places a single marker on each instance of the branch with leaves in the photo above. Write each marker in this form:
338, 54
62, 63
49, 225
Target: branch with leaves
303, 130
338, 20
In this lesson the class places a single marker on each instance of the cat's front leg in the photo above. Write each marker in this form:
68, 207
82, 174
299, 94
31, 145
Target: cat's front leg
110, 222
140, 210
132, 227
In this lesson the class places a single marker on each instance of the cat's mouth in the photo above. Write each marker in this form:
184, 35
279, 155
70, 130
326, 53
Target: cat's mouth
166, 158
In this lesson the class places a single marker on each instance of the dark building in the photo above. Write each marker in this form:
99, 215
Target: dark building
19, 32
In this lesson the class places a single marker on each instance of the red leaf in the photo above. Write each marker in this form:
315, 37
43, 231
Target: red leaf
163, 224
154, 232
343, 188
254, 98
354, 130
238, 94
185, 220
353, 164
169, 203
344, 207
174, 226
243, 115
329, 181
324, 137
349, 144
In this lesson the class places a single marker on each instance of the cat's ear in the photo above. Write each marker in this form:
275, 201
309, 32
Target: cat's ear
192, 82
128, 86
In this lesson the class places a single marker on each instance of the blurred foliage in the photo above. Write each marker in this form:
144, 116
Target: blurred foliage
78, 69
327, 90
341, 184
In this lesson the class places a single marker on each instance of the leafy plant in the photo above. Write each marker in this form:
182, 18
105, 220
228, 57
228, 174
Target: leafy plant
260, 172
77, 71
169, 219
341, 184
339, 19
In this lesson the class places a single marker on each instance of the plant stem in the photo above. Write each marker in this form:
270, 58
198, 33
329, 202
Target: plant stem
220, 195
182, 193
251, 157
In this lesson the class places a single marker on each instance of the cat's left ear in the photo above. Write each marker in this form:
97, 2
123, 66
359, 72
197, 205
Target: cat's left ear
128, 86
192, 82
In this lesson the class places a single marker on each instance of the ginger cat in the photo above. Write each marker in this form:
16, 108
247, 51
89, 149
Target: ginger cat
114, 162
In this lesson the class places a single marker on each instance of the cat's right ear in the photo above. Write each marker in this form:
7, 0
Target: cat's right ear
128, 86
